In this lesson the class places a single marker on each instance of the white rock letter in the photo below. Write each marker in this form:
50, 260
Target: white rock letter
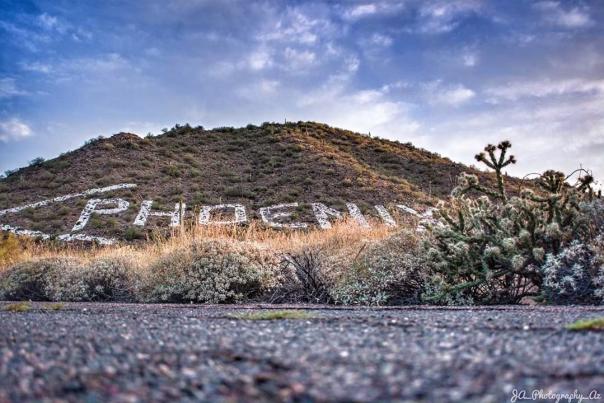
355, 213
145, 212
385, 216
239, 218
269, 215
322, 213
91, 207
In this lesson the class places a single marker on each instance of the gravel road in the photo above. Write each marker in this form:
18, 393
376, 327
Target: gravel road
129, 353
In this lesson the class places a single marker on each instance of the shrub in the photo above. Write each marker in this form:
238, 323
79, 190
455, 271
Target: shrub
36, 161
386, 273
575, 275
210, 272
30, 280
106, 279
490, 249
303, 279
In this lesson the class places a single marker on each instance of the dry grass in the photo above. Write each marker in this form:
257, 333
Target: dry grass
344, 237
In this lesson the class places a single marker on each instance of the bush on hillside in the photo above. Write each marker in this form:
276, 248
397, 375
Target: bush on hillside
210, 272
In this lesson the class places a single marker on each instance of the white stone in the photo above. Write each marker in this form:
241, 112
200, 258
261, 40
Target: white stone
385, 215
91, 207
88, 192
86, 238
355, 213
145, 211
239, 214
270, 214
322, 214
24, 232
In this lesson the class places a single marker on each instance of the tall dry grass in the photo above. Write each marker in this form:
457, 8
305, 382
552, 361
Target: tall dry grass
345, 237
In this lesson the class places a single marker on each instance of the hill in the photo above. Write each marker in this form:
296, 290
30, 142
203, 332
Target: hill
256, 166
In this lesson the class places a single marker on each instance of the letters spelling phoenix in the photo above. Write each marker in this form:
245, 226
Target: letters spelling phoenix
276, 216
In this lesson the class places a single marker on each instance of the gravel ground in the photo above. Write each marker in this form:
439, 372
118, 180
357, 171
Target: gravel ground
123, 352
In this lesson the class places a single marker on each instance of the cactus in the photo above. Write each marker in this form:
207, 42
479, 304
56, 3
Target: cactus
491, 248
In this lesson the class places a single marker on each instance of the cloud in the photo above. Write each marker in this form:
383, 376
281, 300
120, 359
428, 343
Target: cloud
555, 14
469, 59
37, 67
299, 59
260, 59
451, 95
380, 40
13, 129
368, 110
9, 89
297, 26
369, 9
545, 88
360, 11
439, 17
48, 21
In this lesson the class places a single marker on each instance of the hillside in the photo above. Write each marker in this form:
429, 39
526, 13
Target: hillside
256, 166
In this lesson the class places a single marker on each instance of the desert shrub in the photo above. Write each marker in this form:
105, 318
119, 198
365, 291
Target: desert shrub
211, 272
490, 249
36, 161
30, 280
575, 275
303, 278
105, 279
385, 273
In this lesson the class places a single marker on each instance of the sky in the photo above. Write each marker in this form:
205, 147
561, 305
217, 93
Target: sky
448, 76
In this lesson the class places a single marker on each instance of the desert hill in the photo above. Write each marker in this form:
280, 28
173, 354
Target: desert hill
255, 166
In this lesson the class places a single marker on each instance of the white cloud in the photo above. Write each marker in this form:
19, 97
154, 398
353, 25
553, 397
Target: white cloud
268, 86
444, 16
48, 21
362, 10
37, 67
555, 14
452, 95
299, 59
470, 59
544, 88
9, 89
260, 60
364, 111
13, 129
380, 40
296, 26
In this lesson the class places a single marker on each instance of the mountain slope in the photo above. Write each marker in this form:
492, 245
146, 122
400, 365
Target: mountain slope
301, 162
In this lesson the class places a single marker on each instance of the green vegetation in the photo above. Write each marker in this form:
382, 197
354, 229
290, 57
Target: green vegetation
18, 307
303, 161
54, 307
588, 324
273, 315
488, 247
496, 240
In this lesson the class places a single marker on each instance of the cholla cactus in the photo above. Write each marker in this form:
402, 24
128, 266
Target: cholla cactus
490, 249
573, 276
